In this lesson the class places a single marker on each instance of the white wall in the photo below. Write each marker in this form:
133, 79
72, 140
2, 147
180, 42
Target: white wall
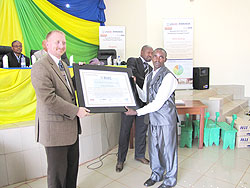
221, 32
22, 158
132, 14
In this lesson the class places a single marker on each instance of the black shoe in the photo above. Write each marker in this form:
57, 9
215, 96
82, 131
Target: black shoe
164, 186
149, 182
119, 166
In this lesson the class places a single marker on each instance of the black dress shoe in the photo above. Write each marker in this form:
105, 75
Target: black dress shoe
119, 166
164, 186
149, 182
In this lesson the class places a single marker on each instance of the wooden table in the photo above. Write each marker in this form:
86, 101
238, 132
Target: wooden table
193, 107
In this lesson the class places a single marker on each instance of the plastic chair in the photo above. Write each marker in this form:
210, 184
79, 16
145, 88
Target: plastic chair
211, 130
228, 133
186, 133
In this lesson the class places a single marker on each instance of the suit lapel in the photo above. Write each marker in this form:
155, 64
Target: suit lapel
140, 66
70, 80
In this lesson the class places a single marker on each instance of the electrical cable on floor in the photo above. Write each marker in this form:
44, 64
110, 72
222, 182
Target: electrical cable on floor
99, 161
104, 155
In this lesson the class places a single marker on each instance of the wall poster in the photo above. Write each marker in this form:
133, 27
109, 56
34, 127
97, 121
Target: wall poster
113, 37
178, 42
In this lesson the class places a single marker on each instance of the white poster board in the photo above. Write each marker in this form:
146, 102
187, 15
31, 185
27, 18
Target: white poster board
178, 42
113, 37
178, 38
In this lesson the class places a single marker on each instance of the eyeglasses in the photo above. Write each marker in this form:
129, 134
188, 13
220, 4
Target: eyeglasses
17, 46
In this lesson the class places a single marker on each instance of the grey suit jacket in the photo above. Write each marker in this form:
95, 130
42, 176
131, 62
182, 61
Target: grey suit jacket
56, 121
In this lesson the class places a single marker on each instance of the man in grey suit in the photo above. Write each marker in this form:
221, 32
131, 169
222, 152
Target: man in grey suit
158, 91
57, 116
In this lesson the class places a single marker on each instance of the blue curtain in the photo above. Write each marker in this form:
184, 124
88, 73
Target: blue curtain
92, 10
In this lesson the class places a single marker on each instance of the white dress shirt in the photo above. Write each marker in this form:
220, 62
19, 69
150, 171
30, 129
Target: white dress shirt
56, 60
168, 85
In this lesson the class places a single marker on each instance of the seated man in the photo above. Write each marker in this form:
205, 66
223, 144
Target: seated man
14, 57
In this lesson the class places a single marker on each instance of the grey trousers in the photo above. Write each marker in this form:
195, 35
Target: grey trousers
63, 164
162, 141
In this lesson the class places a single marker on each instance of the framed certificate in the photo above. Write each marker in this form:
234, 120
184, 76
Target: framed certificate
104, 89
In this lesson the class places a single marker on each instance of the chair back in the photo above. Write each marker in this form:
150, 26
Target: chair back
103, 54
32, 59
4, 50
32, 52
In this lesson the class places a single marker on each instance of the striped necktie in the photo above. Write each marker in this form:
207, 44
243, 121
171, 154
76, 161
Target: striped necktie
146, 68
61, 67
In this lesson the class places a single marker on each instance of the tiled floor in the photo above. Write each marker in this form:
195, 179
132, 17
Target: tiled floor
211, 167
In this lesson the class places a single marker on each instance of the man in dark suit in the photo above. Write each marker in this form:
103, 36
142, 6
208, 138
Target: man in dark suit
14, 57
140, 68
57, 116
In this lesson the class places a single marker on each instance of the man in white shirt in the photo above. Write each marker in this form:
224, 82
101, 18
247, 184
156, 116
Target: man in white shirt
158, 92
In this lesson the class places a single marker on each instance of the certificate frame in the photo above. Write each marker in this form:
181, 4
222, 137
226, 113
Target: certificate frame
90, 88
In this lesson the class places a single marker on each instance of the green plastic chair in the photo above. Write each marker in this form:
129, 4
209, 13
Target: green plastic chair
228, 133
197, 125
214, 137
186, 133
211, 130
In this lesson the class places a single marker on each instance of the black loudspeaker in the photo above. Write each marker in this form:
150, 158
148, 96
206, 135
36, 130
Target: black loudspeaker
201, 78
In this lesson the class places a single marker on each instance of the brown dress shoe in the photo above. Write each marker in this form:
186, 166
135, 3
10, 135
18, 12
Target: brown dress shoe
143, 160
119, 166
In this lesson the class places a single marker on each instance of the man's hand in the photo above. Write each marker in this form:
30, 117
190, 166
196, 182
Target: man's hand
134, 78
130, 112
82, 112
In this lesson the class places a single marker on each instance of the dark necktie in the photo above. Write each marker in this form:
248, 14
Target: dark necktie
146, 68
61, 67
